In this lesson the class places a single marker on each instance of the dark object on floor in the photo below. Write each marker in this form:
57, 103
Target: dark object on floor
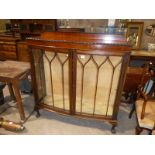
11, 126
25, 86
2, 85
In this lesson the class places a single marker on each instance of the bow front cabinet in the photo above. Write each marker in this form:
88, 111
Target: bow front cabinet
79, 74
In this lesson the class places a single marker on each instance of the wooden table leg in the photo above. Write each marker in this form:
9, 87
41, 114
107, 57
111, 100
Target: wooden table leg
19, 100
11, 92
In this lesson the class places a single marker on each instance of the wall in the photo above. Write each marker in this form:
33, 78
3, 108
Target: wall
88, 24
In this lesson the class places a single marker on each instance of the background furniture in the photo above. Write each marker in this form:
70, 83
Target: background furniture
145, 112
11, 72
135, 76
79, 74
23, 51
8, 49
134, 34
143, 106
140, 58
150, 30
18, 30
32, 27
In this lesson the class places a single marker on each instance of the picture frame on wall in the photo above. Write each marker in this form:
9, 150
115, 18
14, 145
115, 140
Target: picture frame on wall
134, 34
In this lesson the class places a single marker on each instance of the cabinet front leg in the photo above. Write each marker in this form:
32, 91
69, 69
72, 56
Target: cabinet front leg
138, 130
37, 111
113, 130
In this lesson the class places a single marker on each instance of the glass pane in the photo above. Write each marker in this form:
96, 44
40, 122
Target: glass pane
56, 66
96, 85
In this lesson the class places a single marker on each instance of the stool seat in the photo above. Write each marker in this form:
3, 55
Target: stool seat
11, 72
13, 69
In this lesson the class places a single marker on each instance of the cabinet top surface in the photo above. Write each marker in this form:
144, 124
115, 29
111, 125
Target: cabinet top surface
82, 38
80, 41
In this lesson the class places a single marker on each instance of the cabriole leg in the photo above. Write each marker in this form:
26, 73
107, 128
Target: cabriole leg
37, 111
113, 130
138, 130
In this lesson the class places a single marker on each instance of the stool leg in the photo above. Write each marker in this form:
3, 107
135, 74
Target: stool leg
19, 100
11, 92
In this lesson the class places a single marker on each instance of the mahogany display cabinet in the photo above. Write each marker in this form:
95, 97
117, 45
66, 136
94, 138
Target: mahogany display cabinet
79, 74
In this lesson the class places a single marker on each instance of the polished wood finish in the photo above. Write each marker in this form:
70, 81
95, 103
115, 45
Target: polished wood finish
74, 46
81, 41
135, 77
8, 48
11, 126
12, 72
23, 51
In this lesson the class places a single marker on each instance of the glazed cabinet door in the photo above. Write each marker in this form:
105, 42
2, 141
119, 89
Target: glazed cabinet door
51, 69
97, 80
76, 82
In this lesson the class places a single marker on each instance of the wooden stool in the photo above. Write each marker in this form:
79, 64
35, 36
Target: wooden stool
11, 72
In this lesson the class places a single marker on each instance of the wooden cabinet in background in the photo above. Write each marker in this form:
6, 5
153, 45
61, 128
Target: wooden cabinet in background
32, 27
8, 48
23, 52
13, 47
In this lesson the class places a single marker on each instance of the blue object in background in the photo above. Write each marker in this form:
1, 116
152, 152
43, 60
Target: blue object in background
25, 86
